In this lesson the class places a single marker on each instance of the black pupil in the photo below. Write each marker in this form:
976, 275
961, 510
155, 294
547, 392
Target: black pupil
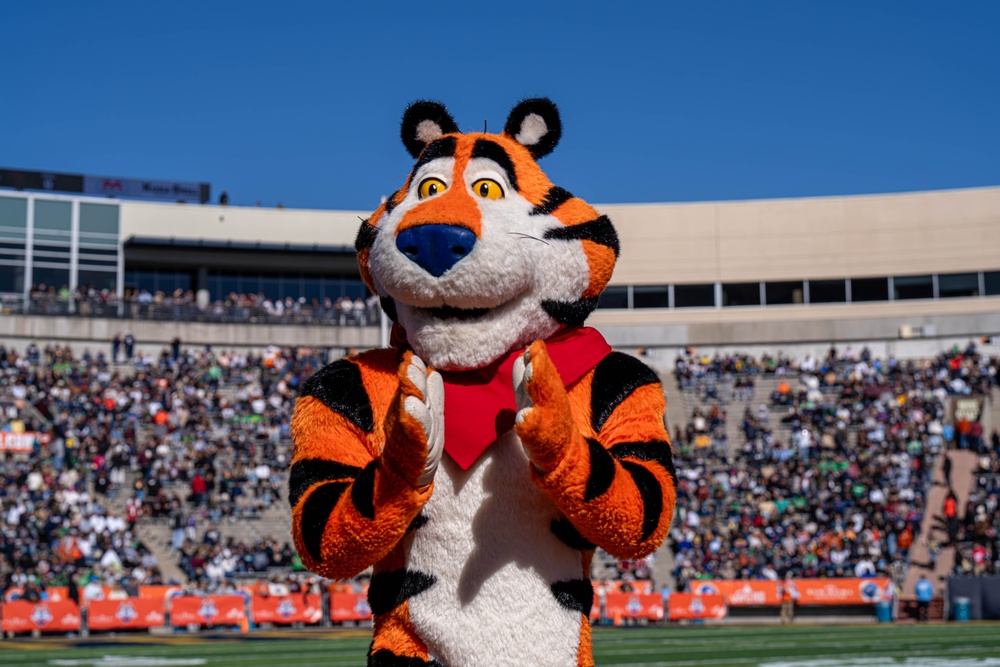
432, 189
484, 190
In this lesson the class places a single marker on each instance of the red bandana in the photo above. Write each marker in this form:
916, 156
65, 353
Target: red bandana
479, 404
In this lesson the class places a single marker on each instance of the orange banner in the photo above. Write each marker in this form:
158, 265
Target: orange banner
20, 616
752, 593
634, 605
52, 593
644, 586
125, 614
211, 610
691, 607
286, 609
841, 591
158, 592
349, 607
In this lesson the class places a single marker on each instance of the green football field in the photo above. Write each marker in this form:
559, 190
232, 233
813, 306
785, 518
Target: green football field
966, 645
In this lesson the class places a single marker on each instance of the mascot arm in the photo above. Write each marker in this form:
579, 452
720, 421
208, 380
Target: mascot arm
614, 477
355, 489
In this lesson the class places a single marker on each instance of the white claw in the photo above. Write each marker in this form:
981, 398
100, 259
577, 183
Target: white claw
416, 372
434, 406
521, 375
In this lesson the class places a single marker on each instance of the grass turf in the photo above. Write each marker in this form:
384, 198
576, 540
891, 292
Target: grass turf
966, 645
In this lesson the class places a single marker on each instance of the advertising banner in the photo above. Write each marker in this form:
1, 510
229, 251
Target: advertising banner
140, 188
22, 179
158, 592
286, 609
21, 443
616, 585
20, 616
634, 605
691, 607
752, 593
125, 614
211, 610
349, 607
842, 591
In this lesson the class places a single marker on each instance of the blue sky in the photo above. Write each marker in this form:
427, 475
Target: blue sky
300, 102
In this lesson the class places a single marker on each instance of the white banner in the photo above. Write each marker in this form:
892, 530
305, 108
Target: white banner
17, 442
137, 188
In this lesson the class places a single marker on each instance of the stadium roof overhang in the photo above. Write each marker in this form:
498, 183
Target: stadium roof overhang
192, 254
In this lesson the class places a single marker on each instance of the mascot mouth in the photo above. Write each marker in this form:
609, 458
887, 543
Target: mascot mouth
453, 313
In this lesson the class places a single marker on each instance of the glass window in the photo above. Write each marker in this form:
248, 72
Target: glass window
292, 286
741, 294
14, 213
992, 279
355, 289
650, 296
782, 293
312, 288
913, 287
958, 284
98, 279
53, 215
614, 297
869, 289
11, 279
228, 284
50, 276
694, 296
827, 291
271, 287
98, 219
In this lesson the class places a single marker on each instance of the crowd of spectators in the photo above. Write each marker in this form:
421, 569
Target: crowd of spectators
195, 434
830, 479
184, 305
979, 530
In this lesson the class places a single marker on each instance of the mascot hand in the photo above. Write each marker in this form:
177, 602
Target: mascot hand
415, 423
544, 419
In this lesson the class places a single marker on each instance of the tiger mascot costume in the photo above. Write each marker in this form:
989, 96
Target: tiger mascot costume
481, 556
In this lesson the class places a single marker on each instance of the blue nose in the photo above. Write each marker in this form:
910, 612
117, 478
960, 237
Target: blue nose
436, 248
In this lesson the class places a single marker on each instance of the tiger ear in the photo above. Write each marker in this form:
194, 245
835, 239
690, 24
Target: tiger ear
535, 125
424, 122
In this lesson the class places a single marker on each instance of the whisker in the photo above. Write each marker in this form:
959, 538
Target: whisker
529, 236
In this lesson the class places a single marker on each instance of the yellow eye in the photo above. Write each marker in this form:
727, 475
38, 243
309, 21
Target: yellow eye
430, 187
487, 189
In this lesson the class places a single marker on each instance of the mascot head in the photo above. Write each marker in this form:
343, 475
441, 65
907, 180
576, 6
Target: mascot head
479, 253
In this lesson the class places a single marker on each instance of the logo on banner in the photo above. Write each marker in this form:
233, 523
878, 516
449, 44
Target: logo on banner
361, 606
126, 613
705, 588
633, 605
747, 595
286, 609
697, 607
207, 611
870, 591
41, 616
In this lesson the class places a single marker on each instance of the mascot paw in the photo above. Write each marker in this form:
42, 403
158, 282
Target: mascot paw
420, 426
544, 420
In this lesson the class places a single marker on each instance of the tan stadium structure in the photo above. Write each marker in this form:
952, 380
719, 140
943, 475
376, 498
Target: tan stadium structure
909, 266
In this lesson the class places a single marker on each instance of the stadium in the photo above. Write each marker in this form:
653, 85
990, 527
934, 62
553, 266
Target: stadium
824, 395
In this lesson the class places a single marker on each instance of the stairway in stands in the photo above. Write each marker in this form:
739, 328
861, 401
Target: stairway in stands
962, 465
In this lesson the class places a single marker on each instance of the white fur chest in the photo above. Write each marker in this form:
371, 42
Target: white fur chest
488, 543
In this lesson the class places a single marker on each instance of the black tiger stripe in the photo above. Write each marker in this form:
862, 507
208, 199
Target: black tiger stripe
306, 472
389, 307
615, 378
366, 235
363, 491
570, 536
443, 147
602, 471
386, 658
652, 450
315, 514
418, 522
572, 313
339, 387
599, 230
554, 198
574, 594
388, 590
491, 150
651, 493
390, 202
